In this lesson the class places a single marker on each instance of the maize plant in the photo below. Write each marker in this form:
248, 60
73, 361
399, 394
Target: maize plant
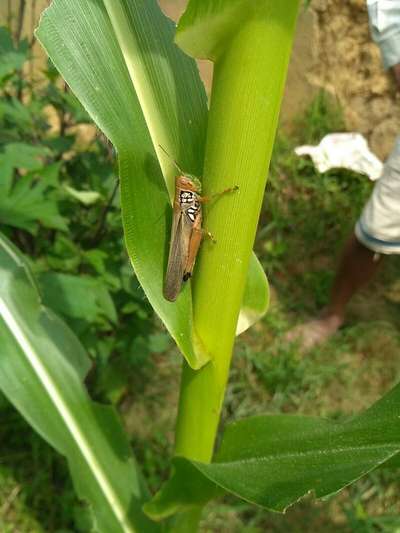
136, 75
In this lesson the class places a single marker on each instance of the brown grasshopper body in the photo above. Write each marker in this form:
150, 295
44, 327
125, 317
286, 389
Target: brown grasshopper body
186, 232
186, 235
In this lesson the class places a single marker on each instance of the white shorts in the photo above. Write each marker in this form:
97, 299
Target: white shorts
378, 228
384, 20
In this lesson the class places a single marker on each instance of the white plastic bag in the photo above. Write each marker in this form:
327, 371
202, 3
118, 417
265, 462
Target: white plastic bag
343, 150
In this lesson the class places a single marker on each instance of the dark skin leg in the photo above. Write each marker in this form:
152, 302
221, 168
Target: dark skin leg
358, 265
396, 74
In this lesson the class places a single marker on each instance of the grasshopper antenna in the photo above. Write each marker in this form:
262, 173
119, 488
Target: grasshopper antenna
172, 160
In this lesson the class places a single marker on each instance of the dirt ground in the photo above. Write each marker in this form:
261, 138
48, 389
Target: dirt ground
334, 51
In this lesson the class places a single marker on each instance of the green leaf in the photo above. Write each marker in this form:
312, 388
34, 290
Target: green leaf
42, 365
207, 25
85, 197
25, 156
97, 259
6, 175
16, 112
394, 462
256, 296
68, 295
11, 58
98, 75
60, 145
142, 92
29, 201
158, 342
274, 460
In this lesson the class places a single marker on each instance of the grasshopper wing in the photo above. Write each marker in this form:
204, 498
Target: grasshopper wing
178, 252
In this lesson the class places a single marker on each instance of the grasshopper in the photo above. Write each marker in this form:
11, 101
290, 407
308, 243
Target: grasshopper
187, 232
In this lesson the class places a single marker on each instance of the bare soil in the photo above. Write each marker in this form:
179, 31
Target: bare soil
334, 51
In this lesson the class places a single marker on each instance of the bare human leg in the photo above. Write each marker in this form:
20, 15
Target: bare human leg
357, 267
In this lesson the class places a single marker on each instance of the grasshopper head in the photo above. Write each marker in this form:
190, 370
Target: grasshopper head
189, 182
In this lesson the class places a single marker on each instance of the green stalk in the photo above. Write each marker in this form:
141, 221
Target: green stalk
247, 90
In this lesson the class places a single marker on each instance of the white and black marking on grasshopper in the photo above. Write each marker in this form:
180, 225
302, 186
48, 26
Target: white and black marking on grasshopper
193, 210
186, 197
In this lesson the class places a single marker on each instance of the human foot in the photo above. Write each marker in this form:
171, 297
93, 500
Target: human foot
314, 332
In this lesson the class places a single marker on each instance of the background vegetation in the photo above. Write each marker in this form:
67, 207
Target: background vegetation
59, 203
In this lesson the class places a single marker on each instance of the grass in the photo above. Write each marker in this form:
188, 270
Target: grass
306, 218
35, 492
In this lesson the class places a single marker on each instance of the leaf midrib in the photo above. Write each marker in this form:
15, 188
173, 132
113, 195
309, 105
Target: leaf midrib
73, 427
316, 451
